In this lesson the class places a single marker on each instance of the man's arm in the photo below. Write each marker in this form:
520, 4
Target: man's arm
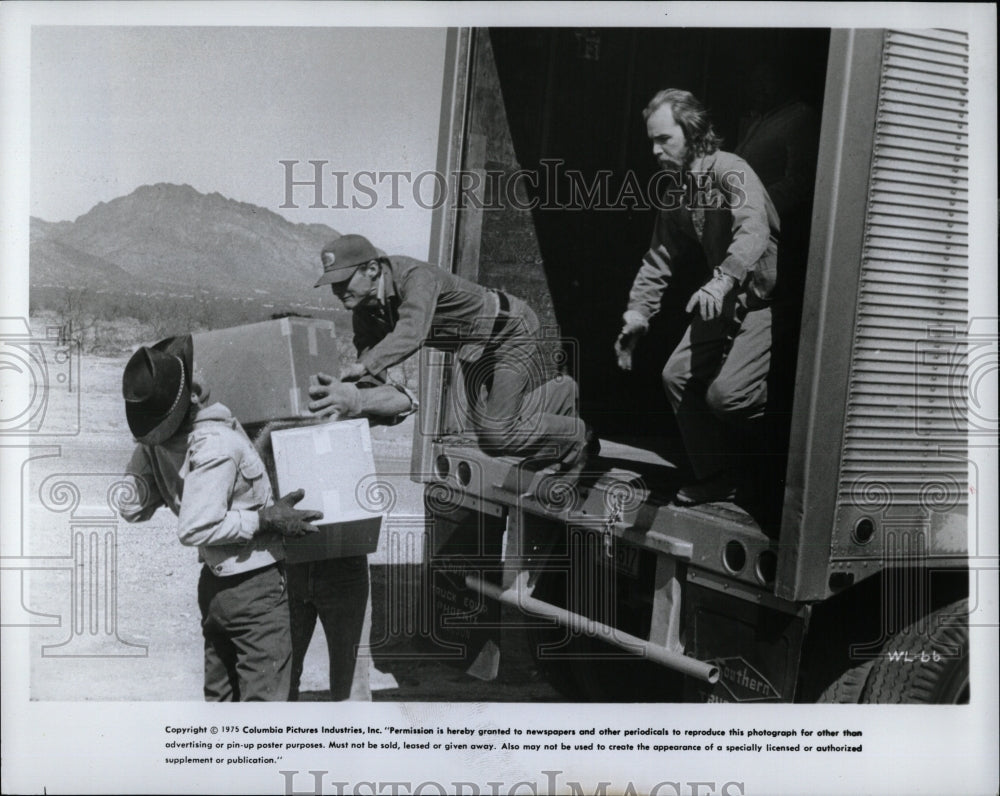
387, 402
206, 517
654, 274
142, 498
419, 295
646, 294
752, 215
748, 203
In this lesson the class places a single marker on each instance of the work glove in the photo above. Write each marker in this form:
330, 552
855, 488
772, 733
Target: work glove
333, 398
281, 517
634, 327
353, 372
709, 297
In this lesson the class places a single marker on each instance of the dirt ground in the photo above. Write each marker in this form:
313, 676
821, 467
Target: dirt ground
113, 606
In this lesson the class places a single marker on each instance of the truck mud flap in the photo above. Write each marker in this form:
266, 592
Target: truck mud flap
459, 620
755, 646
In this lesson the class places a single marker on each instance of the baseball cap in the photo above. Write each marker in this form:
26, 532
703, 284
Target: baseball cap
342, 256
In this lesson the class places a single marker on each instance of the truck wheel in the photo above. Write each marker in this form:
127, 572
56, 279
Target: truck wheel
926, 663
847, 688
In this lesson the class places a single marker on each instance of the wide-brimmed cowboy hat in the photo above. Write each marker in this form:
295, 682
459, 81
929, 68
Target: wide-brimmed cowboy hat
156, 386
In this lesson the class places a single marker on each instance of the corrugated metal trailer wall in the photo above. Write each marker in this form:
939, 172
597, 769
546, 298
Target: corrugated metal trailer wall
900, 452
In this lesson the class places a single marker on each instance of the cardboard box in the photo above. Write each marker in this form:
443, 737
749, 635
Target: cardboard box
333, 463
261, 371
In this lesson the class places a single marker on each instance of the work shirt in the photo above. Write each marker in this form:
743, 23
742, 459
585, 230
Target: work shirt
214, 481
730, 217
420, 304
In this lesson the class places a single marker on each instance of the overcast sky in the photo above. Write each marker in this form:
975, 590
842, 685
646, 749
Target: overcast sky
113, 108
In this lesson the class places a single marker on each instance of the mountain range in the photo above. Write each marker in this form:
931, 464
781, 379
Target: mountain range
172, 238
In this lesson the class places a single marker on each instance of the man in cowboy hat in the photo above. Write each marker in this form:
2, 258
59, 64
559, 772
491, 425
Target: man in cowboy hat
517, 404
194, 458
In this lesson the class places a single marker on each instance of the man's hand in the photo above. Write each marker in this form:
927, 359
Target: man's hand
634, 327
353, 372
281, 517
333, 398
708, 299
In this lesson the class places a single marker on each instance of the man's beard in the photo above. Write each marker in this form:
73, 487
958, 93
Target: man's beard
669, 164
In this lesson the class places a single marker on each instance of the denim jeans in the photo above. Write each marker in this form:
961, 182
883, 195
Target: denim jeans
335, 591
248, 648
517, 402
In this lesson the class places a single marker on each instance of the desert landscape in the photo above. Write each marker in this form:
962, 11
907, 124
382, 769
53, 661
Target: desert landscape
113, 606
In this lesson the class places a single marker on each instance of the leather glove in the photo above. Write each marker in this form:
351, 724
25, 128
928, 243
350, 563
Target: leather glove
281, 517
634, 327
353, 372
333, 398
709, 297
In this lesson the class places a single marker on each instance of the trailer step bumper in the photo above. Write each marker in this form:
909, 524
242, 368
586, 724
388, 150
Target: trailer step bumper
520, 597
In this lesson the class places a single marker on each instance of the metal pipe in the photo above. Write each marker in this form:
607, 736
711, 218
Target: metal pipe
707, 672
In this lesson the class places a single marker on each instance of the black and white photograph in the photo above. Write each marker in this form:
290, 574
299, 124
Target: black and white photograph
585, 397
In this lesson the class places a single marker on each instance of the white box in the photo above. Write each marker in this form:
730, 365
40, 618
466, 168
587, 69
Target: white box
334, 464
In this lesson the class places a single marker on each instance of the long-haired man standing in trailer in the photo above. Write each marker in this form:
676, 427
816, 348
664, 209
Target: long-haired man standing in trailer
717, 219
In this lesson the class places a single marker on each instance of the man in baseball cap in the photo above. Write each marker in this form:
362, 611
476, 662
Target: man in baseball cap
343, 256
337, 591
400, 304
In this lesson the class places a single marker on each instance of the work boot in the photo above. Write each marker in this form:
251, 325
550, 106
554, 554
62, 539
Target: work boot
719, 488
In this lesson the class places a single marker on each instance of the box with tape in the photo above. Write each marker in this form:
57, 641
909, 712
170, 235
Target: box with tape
334, 464
261, 371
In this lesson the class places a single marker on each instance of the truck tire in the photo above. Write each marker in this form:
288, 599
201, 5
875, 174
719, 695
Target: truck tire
847, 688
926, 663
